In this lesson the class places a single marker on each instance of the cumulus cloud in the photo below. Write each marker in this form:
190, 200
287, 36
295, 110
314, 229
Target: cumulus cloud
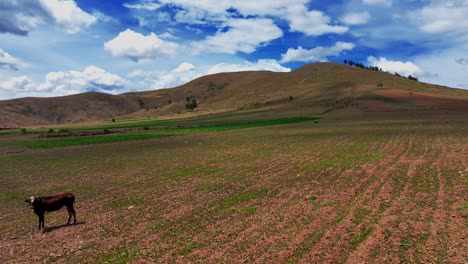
260, 65
136, 46
186, 72
299, 17
68, 15
443, 17
184, 67
10, 62
404, 68
21, 17
315, 54
311, 23
92, 78
358, 18
258, 30
17, 84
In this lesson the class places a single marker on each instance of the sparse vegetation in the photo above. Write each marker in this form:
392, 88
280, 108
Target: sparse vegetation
191, 103
374, 68
286, 189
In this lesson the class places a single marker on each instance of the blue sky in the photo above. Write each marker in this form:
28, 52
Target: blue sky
62, 47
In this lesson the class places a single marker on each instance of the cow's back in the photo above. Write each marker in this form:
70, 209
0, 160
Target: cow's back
55, 202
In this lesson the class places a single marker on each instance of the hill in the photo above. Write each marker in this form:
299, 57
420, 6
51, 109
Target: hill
313, 89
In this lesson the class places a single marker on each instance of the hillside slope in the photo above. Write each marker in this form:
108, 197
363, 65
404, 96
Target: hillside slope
314, 88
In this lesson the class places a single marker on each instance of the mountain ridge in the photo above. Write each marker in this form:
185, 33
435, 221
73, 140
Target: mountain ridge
317, 87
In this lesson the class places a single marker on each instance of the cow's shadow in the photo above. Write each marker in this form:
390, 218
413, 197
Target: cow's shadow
53, 228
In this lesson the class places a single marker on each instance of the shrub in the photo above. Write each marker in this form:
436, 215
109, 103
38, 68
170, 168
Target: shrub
23, 131
191, 103
51, 130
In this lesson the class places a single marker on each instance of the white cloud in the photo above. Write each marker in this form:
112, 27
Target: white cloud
403, 68
67, 14
191, 16
187, 72
167, 35
21, 17
448, 67
92, 78
17, 84
378, 2
184, 67
358, 18
311, 23
103, 17
315, 54
300, 18
144, 4
260, 65
10, 62
136, 46
443, 17
243, 35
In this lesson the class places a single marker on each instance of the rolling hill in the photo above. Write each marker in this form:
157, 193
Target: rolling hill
312, 89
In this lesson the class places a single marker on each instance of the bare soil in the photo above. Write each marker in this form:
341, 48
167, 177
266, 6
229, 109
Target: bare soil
358, 192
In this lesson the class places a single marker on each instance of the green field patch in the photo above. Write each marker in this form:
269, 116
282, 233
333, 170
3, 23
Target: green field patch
342, 161
229, 203
464, 207
306, 246
359, 238
187, 249
361, 213
160, 225
86, 140
11, 196
126, 202
211, 186
246, 124
249, 210
207, 172
86, 189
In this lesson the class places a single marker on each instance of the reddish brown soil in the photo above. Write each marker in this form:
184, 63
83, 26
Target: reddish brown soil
364, 192
426, 99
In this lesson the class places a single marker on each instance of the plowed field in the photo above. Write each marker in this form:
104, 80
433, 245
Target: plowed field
357, 192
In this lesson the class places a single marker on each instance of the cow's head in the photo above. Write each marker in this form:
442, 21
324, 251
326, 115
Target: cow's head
32, 201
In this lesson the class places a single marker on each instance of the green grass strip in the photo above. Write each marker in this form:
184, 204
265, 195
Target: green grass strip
248, 124
87, 140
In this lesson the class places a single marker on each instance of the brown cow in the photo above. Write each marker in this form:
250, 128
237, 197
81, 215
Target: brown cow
45, 204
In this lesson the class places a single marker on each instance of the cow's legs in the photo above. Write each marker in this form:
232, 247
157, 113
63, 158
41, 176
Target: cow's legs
41, 221
69, 216
71, 211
